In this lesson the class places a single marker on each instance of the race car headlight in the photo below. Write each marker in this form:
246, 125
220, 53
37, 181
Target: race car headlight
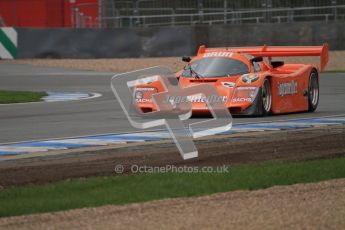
245, 94
144, 92
138, 94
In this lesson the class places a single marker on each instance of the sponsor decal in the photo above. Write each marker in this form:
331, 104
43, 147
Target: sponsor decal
210, 99
247, 78
287, 88
196, 98
248, 99
143, 100
245, 94
218, 54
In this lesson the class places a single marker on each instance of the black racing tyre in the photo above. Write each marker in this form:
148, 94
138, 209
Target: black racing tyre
313, 91
265, 98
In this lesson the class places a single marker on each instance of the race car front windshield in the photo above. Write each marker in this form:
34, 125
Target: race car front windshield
215, 67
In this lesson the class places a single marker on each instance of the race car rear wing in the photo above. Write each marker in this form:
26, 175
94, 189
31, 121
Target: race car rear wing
277, 51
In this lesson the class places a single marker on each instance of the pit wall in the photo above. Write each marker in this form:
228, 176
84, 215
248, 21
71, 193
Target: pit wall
170, 41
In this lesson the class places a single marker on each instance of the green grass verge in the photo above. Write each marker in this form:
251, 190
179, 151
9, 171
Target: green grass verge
7, 96
97, 191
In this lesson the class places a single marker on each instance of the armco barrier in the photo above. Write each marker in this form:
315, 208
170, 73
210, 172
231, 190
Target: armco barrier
171, 41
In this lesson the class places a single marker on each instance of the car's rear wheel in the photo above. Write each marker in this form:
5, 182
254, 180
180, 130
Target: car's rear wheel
313, 90
266, 98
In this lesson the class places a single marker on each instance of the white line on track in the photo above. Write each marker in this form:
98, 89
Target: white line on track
89, 141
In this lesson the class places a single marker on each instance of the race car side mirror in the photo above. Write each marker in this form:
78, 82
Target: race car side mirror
257, 59
186, 59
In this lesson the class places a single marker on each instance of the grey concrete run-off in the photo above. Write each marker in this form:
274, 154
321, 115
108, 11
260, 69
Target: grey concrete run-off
171, 41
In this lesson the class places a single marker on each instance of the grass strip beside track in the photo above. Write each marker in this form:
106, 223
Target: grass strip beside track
7, 96
97, 191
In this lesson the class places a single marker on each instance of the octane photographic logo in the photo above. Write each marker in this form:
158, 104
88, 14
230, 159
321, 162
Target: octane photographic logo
171, 113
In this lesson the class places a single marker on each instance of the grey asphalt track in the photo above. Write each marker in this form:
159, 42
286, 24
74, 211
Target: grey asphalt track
101, 115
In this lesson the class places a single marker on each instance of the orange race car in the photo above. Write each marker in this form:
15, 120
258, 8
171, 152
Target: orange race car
247, 84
